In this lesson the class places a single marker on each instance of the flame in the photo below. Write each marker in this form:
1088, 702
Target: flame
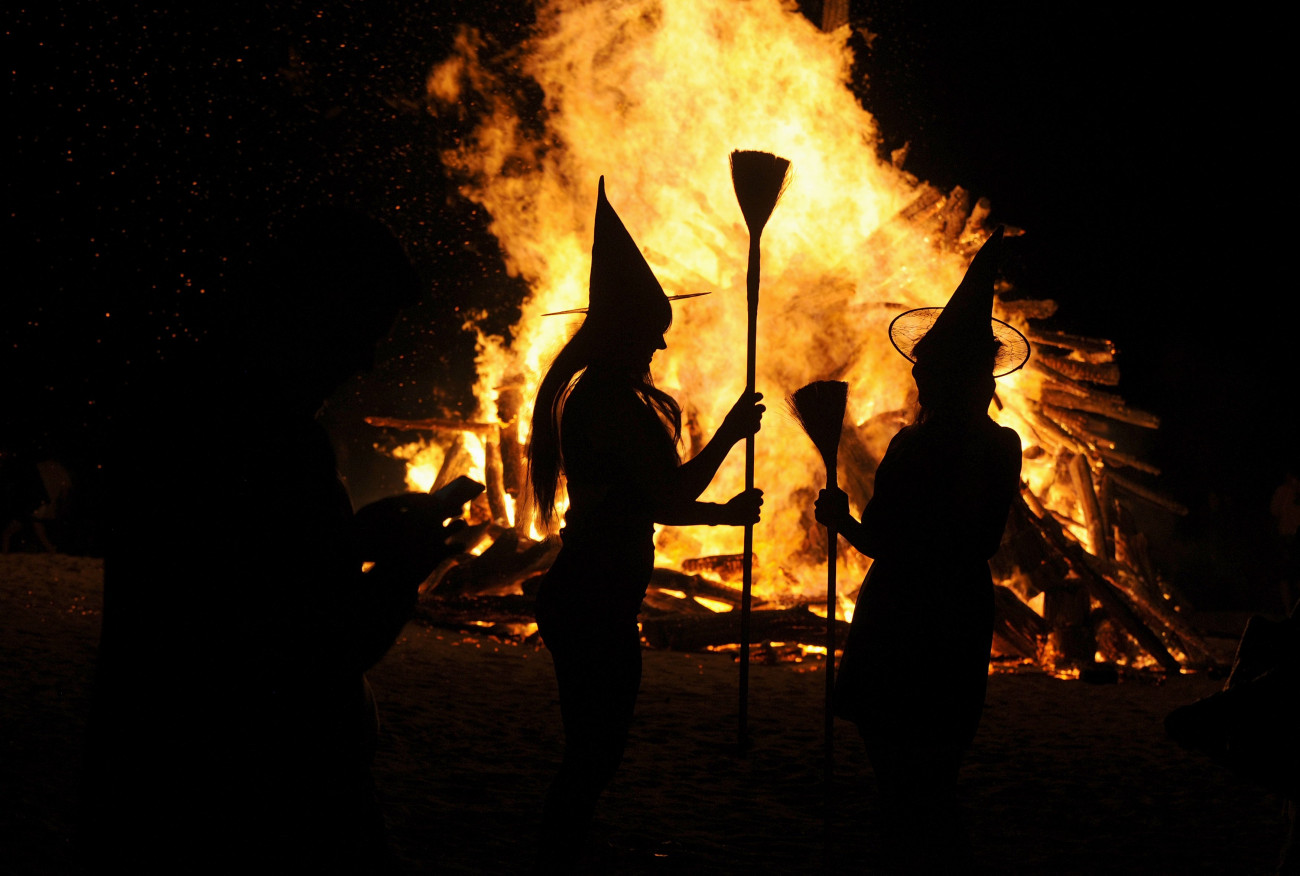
654, 95
423, 461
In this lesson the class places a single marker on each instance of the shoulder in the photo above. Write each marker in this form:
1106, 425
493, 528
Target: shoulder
601, 396
1007, 453
603, 408
1007, 439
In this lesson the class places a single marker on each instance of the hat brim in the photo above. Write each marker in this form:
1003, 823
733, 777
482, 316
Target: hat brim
907, 329
669, 297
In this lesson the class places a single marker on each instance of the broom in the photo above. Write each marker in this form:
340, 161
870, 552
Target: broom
759, 179
819, 409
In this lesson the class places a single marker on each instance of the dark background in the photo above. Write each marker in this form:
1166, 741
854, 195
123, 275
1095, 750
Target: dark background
1141, 151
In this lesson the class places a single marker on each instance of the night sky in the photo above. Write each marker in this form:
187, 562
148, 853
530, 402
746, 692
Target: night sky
1140, 150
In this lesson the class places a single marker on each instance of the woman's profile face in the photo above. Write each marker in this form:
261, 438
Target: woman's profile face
642, 348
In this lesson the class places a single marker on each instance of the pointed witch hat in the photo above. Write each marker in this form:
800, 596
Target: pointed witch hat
622, 285
963, 333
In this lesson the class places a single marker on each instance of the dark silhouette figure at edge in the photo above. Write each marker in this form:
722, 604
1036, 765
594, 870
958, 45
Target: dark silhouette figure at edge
1252, 725
602, 425
942, 495
232, 728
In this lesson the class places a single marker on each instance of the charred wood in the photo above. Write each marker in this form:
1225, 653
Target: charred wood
952, 218
728, 567
1028, 308
500, 569
1067, 616
1106, 593
972, 234
1024, 548
1094, 518
1015, 623
1136, 490
1116, 458
455, 462
493, 472
1104, 373
923, 205
1076, 426
1093, 349
659, 602
1100, 403
695, 585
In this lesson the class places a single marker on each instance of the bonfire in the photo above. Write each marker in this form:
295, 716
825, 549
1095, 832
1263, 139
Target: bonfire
656, 96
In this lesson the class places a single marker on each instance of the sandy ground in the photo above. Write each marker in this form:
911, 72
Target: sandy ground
1065, 777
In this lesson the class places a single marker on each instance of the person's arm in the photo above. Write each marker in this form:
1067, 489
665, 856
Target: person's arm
401, 539
677, 493
832, 511
1004, 485
741, 509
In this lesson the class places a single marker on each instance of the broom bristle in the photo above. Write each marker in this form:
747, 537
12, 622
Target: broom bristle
759, 179
818, 408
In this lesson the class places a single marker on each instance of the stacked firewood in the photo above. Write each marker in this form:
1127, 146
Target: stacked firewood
1074, 582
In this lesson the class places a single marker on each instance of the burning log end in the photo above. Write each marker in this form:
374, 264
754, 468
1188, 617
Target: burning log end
1028, 308
1104, 373
1093, 349
728, 567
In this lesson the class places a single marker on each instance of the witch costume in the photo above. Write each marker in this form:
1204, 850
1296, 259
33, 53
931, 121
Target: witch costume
601, 425
915, 663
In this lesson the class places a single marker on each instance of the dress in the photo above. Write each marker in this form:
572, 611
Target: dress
915, 663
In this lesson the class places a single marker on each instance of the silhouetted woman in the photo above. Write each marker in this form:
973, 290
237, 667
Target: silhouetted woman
601, 424
915, 664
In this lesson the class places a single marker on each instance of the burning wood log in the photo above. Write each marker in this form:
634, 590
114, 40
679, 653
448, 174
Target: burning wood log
1135, 489
1028, 308
953, 216
973, 234
1092, 349
1076, 426
728, 567
1023, 550
1058, 367
513, 454
1104, 404
1093, 516
676, 603
1106, 593
500, 569
1114, 457
1017, 625
695, 585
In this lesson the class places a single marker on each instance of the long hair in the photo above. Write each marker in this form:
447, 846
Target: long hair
545, 457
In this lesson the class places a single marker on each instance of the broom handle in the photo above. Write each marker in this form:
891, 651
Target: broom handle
747, 580
832, 537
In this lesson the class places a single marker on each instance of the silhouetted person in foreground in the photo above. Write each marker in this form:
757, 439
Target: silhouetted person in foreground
915, 663
601, 425
232, 727
1252, 726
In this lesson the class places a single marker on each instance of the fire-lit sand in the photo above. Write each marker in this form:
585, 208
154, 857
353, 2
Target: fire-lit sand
1065, 777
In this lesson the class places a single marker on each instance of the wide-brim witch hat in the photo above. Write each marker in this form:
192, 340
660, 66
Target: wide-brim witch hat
964, 333
623, 287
